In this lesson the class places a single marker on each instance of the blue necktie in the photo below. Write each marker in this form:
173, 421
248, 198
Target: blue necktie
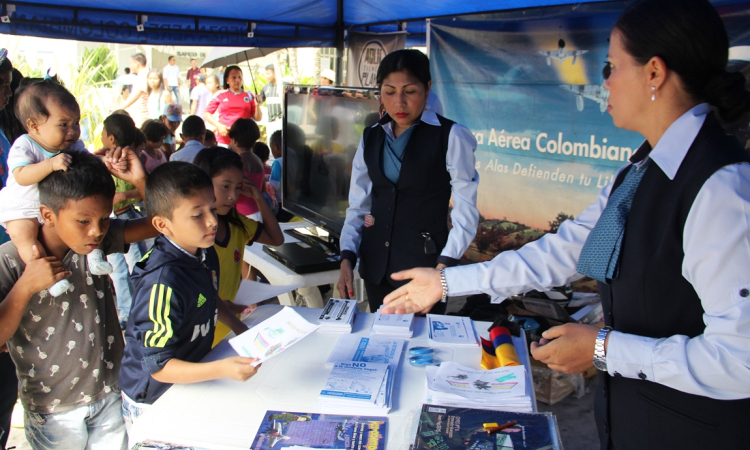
601, 252
393, 154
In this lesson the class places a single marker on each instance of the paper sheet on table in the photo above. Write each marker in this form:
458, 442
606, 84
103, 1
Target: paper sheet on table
273, 335
252, 292
482, 386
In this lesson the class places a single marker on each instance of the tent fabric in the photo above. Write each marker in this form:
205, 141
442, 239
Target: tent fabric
292, 23
239, 23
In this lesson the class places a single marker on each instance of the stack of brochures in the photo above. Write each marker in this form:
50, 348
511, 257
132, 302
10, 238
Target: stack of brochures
399, 325
505, 388
338, 316
354, 383
453, 330
356, 386
465, 428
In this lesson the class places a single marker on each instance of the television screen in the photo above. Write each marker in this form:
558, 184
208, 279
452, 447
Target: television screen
322, 130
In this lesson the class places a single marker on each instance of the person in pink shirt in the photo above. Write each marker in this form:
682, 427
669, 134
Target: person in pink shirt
243, 135
232, 104
152, 156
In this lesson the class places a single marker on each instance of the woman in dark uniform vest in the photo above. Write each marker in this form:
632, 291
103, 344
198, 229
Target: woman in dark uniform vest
668, 241
407, 167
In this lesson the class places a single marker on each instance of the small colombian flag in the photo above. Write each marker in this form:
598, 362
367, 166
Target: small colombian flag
499, 350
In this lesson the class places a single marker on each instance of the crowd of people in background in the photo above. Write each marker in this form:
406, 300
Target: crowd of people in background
43, 168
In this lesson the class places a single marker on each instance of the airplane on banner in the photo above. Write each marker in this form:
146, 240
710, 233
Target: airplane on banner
595, 92
561, 54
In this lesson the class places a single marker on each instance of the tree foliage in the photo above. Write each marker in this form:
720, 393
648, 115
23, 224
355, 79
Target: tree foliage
555, 224
103, 63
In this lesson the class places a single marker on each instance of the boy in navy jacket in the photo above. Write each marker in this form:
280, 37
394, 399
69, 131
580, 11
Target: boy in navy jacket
176, 303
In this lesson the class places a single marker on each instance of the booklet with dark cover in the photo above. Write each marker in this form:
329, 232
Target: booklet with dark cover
447, 428
281, 429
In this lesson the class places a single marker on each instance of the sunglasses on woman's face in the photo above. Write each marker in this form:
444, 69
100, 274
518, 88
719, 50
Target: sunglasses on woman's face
607, 70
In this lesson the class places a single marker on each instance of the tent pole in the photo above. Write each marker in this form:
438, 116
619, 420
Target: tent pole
340, 42
250, 69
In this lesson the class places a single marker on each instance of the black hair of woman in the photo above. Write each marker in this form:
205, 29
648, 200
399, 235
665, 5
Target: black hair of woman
414, 62
9, 123
690, 37
227, 72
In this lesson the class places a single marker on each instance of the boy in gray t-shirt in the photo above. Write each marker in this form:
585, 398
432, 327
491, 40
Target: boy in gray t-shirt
67, 349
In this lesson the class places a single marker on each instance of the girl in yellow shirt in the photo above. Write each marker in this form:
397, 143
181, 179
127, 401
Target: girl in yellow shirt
234, 230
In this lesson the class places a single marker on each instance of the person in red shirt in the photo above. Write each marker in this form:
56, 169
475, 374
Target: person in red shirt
192, 74
231, 104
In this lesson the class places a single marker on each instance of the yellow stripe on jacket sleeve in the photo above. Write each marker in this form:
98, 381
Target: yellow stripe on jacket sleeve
151, 316
158, 312
167, 321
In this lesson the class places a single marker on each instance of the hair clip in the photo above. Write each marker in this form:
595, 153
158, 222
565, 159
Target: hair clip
47, 76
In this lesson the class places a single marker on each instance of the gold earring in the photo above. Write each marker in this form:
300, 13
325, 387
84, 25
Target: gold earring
653, 93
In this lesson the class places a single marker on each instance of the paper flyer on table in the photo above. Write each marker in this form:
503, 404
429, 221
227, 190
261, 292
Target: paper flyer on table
252, 292
481, 385
393, 320
273, 335
355, 381
452, 330
367, 349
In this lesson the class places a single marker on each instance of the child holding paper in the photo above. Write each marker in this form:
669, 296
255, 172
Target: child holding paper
176, 302
234, 230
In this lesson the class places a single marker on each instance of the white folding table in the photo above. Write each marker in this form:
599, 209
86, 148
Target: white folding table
226, 414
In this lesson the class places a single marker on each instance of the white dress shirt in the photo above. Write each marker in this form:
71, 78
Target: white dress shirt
460, 163
716, 241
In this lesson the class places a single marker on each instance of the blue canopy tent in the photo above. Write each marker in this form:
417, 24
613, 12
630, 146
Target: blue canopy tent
294, 23
240, 23
233, 23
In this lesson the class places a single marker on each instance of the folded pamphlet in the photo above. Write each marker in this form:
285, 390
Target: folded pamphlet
272, 336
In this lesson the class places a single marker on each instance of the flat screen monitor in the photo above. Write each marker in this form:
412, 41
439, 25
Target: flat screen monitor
321, 132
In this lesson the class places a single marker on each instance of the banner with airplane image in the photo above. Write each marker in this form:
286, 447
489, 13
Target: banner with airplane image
529, 85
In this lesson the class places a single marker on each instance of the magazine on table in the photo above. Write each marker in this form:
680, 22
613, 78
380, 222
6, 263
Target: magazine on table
450, 428
299, 431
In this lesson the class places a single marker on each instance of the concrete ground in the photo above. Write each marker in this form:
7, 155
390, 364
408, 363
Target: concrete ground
575, 419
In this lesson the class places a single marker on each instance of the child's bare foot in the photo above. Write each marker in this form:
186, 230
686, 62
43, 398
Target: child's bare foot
59, 288
98, 264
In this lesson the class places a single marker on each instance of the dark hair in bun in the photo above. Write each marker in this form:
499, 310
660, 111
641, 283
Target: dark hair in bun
726, 91
690, 37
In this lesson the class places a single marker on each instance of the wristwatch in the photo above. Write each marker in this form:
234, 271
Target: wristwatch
600, 357
444, 285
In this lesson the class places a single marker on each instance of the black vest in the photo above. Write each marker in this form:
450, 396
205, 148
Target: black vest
417, 203
651, 298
